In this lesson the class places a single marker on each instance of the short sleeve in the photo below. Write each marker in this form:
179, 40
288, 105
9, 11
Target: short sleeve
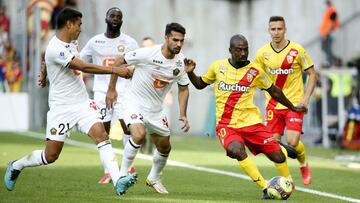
263, 81
61, 56
137, 56
210, 76
305, 60
184, 80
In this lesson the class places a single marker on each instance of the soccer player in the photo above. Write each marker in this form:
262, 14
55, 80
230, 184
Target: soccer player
285, 61
157, 68
70, 105
103, 49
238, 120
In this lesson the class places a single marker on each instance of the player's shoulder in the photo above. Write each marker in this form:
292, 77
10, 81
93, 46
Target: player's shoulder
296, 46
55, 46
264, 48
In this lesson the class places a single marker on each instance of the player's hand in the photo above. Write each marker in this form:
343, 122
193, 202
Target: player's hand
299, 108
111, 97
124, 71
189, 65
42, 75
185, 122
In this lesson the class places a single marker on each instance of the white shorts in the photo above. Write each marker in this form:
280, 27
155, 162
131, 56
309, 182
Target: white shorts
154, 122
107, 114
62, 118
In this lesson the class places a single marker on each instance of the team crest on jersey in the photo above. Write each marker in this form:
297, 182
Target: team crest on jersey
293, 53
253, 72
133, 116
289, 58
53, 131
121, 48
249, 77
176, 71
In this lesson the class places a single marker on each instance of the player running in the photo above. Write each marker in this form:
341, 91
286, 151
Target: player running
102, 49
238, 120
285, 61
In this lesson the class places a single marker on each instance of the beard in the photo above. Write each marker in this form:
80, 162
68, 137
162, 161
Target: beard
113, 28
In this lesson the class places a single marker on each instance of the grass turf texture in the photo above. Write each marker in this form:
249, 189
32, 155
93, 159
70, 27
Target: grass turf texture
73, 178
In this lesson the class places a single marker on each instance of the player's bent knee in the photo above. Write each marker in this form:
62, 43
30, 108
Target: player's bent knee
278, 157
164, 149
51, 158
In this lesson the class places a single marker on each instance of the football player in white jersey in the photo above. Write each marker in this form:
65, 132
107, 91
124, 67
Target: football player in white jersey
156, 69
102, 49
70, 105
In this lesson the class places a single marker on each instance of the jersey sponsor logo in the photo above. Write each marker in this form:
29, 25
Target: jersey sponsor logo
121, 48
280, 71
178, 63
109, 62
296, 120
99, 41
233, 87
176, 71
161, 81
157, 61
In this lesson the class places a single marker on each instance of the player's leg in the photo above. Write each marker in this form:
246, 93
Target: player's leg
275, 123
294, 124
106, 177
233, 143
161, 154
126, 139
35, 158
90, 123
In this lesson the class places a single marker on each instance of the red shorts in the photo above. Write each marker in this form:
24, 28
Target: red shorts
255, 138
276, 120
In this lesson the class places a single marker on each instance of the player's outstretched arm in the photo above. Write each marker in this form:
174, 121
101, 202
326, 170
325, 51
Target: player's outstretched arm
183, 97
42, 75
279, 96
121, 71
195, 80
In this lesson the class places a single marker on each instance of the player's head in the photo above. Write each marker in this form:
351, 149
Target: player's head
239, 48
147, 42
69, 19
114, 18
174, 37
277, 28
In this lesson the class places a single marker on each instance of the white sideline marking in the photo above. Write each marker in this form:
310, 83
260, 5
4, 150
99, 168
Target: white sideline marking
193, 167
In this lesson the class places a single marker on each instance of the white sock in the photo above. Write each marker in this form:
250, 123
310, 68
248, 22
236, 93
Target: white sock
159, 162
109, 160
35, 158
126, 139
130, 151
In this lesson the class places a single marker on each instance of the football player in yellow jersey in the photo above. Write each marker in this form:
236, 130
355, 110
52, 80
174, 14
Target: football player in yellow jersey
285, 61
238, 119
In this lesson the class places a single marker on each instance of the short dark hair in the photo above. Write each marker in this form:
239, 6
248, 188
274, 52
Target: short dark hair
113, 8
276, 18
67, 14
176, 27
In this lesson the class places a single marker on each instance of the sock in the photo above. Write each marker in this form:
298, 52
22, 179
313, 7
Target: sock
159, 162
35, 158
283, 168
300, 149
130, 151
126, 139
252, 171
109, 160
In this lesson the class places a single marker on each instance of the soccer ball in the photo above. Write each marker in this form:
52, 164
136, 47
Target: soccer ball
279, 188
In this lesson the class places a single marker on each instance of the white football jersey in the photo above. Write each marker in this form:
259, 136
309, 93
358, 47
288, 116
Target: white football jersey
153, 77
66, 85
102, 50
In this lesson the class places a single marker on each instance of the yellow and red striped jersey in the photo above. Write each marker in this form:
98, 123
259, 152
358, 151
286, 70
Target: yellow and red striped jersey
234, 92
285, 69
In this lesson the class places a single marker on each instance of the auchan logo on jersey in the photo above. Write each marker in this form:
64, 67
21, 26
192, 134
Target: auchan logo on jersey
233, 87
280, 71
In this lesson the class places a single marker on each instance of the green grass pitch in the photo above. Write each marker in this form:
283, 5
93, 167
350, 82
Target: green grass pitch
73, 178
